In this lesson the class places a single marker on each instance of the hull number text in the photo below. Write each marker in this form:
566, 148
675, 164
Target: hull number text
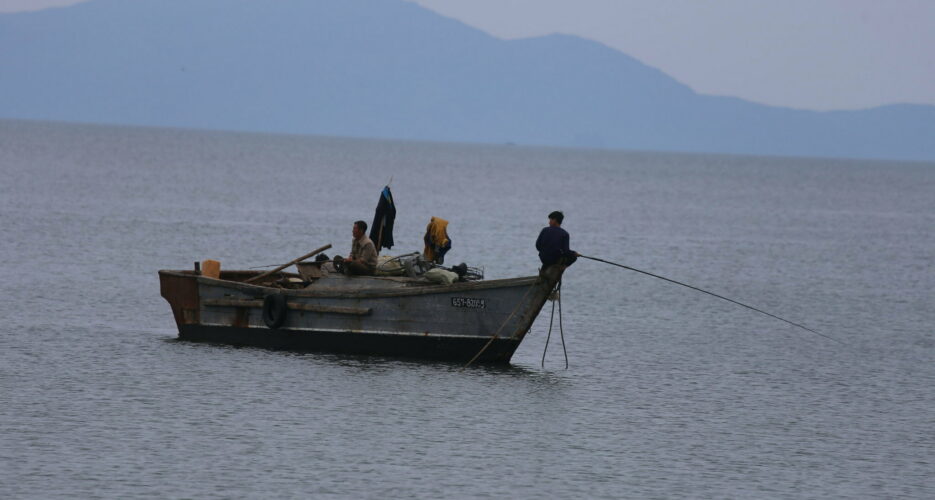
469, 303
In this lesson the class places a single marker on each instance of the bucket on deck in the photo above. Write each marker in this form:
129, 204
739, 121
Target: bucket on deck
211, 269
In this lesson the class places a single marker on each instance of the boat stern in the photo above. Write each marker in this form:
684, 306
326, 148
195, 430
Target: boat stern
180, 289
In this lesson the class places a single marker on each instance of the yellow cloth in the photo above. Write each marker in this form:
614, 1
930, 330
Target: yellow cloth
437, 232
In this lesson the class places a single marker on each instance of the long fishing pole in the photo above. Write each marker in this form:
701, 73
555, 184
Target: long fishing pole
712, 294
275, 265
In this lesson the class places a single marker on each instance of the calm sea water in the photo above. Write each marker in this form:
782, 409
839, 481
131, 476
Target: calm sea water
669, 393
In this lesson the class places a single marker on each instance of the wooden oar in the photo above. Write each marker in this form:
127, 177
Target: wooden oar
280, 268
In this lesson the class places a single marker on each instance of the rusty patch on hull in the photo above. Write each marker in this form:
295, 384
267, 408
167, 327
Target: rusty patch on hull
182, 294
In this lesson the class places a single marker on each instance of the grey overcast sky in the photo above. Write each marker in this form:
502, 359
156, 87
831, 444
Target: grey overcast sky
810, 54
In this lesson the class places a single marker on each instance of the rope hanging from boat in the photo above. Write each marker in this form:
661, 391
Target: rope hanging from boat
496, 335
557, 298
713, 294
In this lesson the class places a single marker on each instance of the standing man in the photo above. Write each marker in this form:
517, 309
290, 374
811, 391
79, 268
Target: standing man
363, 258
553, 243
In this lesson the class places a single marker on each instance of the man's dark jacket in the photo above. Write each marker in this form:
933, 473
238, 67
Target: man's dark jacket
552, 245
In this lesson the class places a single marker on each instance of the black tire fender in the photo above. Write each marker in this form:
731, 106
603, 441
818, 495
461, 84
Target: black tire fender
274, 310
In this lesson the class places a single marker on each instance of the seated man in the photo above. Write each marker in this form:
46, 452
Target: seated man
363, 258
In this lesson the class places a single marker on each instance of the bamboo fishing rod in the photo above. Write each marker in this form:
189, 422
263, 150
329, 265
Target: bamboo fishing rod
712, 294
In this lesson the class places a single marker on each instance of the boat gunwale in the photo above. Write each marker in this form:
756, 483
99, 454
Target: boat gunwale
431, 289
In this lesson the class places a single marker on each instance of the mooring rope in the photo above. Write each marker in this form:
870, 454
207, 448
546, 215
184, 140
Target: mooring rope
561, 330
497, 333
713, 294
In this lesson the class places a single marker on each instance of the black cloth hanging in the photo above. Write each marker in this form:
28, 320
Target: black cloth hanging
381, 231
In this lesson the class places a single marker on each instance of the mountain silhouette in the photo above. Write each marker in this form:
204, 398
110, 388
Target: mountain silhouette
392, 69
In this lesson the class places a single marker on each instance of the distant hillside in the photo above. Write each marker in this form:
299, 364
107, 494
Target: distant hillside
392, 69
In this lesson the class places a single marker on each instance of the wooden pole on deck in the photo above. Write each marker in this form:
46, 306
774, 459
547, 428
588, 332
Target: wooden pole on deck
380, 234
280, 268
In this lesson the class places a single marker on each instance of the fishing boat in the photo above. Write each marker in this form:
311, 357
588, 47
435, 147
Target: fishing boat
481, 321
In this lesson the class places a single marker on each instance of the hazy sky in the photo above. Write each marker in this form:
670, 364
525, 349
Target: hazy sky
813, 54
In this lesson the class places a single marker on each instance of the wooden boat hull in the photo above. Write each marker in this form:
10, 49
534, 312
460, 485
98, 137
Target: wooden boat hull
406, 346
441, 322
